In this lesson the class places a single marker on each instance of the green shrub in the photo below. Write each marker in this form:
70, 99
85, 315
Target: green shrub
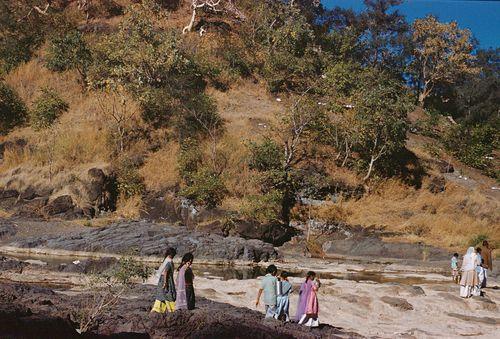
48, 107
189, 159
205, 188
263, 208
129, 181
12, 109
473, 145
129, 268
265, 156
69, 52
20, 35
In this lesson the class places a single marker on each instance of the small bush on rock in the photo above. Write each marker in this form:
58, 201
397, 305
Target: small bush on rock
263, 208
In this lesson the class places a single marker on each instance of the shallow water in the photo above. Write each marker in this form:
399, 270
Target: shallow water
227, 272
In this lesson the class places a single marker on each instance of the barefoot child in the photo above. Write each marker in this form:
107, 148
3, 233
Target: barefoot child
282, 301
308, 309
454, 268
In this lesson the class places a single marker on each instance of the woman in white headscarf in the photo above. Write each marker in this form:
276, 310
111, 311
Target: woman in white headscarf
469, 284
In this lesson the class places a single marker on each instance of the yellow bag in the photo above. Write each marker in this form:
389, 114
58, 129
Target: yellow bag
163, 306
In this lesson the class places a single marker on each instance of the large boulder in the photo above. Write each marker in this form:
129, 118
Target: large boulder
276, 234
100, 191
61, 204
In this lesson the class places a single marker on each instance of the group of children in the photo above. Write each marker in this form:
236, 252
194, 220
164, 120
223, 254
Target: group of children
277, 289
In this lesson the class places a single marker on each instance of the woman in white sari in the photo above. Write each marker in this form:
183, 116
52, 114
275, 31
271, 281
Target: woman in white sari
469, 284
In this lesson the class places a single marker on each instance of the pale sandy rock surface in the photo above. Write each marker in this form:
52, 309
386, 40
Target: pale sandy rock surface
437, 312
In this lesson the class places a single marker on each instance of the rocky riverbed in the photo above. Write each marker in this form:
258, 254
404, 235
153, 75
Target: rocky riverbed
146, 239
362, 296
29, 309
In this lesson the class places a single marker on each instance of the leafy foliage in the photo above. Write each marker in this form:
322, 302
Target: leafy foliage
473, 146
129, 181
264, 208
442, 54
265, 156
12, 109
205, 188
150, 64
48, 107
288, 56
69, 52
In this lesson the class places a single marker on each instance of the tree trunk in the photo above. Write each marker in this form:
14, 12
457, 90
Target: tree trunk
189, 27
421, 99
370, 168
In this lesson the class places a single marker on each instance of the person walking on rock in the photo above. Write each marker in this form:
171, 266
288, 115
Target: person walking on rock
165, 290
488, 260
283, 301
268, 286
454, 268
185, 289
469, 284
308, 307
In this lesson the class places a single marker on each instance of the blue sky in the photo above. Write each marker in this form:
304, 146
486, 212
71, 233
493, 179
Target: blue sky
481, 17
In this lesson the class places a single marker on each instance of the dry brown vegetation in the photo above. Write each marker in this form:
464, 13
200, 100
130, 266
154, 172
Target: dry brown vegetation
450, 219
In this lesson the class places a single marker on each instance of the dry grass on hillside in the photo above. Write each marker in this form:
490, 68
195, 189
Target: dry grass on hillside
160, 170
248, 110
450, 219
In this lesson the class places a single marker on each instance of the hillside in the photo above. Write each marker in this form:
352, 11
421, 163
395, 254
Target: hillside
191, 128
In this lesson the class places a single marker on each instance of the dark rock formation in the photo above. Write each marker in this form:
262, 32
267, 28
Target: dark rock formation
276, 234
59, 205
359, 241
100, 190
400, 303
436, 185
8, 264
152, 239
7, 229
52, 315
173, 209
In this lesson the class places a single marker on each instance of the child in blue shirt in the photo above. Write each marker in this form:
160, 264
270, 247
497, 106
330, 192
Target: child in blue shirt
454, 268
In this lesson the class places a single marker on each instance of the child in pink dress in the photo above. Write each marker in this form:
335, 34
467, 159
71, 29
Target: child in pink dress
311, 285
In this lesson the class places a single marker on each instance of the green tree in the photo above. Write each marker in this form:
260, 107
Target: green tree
151, 65
278, 157
442, 54
12, 109
283, 45
478, 97
69, 51
20, 36
385, 37
380, 121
